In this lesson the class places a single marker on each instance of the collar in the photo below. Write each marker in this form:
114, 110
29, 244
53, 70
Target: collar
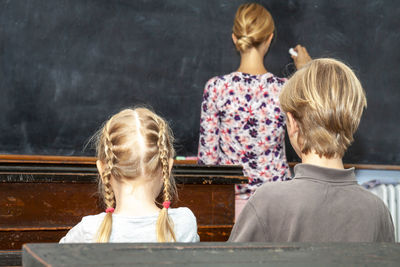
328, 175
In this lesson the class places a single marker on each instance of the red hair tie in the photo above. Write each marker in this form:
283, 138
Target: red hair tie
166, 204
109, 210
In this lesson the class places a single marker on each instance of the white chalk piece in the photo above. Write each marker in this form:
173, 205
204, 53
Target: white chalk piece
292, 52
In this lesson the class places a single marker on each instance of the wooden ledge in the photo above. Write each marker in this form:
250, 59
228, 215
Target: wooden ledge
47, 159
58, 169
92, 160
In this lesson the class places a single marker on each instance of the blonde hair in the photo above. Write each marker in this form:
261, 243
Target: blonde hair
132, 143
327, 100
253, 25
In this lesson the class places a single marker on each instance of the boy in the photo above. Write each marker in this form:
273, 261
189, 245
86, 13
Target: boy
323, 102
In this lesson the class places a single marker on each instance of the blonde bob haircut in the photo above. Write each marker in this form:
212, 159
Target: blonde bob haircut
136, 143
327, 100
253, 25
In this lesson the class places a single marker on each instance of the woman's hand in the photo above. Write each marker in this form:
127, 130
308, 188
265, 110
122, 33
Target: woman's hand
302, 57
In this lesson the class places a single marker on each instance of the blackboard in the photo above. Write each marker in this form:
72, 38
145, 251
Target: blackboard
67, 65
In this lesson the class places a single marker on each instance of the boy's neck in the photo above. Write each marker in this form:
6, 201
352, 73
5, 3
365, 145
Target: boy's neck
314, 159
252, 62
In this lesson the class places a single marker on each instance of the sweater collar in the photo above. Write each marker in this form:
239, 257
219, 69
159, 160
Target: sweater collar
330, 175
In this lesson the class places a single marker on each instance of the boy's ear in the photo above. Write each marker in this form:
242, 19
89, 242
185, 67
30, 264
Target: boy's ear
292, 126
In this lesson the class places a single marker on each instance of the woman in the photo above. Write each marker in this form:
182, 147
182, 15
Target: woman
241, 120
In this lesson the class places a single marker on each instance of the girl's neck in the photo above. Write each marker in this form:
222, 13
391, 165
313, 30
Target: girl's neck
135, 200
252, 62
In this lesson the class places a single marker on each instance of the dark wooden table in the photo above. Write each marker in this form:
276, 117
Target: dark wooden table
213, 254
43, 197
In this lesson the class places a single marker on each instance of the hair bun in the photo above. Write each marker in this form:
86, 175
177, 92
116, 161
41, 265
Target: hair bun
244, 43
253, 24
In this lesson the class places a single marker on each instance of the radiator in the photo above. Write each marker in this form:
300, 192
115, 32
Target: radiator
390, 194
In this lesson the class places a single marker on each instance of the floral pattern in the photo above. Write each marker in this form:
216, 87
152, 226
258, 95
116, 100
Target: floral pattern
242, 123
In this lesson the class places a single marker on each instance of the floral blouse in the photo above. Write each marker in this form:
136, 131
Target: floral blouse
242, 123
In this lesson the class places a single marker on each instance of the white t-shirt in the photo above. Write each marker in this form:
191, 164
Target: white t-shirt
127, 229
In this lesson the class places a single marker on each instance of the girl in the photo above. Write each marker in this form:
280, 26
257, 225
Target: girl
135, 156
241, 120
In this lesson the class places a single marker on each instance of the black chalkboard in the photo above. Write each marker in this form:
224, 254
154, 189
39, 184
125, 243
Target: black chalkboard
67, 65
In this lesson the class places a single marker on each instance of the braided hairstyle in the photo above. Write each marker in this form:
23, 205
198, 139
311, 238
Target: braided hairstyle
253, 25
134, 143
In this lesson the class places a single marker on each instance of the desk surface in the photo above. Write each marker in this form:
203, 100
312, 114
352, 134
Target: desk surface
213, 254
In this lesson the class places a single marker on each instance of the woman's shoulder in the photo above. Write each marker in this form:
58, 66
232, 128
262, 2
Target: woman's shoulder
272, 78
215, 81
221, 79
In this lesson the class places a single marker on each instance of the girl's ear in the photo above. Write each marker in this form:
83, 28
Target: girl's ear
170, 164
100, 167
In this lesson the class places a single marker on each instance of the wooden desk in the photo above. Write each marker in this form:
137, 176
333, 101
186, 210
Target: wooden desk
213, 254
43, 197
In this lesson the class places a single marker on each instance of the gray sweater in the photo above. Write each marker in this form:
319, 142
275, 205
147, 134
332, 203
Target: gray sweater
318, 205
134, 229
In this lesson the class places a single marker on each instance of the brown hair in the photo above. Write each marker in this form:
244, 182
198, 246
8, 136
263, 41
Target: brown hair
327, 100
134, 143
253, 25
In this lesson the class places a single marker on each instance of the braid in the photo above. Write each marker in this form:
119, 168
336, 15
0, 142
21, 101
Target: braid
165, 226
109, 197
104, 232
163, 155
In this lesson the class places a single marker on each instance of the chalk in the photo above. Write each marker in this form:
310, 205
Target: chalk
186, 158
292, 52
